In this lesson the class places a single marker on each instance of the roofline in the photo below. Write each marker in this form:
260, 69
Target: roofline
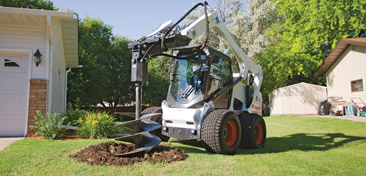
292, 85
336, 53
41, 12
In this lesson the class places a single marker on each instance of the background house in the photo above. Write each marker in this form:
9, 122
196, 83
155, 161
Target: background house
25, 86
298, 99
345, 70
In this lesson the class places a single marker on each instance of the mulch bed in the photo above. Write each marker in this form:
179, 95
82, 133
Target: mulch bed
104, 154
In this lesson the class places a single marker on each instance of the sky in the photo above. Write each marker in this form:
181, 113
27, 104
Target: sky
131, 18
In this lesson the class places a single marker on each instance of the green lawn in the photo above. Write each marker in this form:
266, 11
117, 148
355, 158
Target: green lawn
295, 146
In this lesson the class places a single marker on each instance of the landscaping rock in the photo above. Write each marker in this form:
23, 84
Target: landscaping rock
104, 154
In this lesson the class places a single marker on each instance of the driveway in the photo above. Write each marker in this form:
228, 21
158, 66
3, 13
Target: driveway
6, 141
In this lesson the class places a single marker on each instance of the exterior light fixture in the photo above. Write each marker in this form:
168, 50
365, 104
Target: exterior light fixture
37, 57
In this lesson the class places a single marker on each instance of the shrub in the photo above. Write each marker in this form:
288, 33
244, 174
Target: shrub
97, 125
49, 128
72, 115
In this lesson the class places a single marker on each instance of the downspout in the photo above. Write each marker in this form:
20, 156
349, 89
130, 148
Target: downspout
48, 67
66, 74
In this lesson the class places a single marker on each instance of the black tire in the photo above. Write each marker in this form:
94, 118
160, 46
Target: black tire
254, 131
156, 132
214, 132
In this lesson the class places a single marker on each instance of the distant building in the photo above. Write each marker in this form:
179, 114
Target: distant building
29, 83
298, 99
345, 70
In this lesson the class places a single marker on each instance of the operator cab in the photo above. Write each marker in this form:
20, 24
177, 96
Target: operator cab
198, 77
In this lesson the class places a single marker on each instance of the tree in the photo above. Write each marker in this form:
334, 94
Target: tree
305, 35
249, 22
156, 88
105, 77
105, 74
120, 88
32, 4
250, 26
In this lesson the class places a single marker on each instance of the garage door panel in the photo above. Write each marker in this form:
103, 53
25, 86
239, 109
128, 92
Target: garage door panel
14, 81
15, 125
15, 103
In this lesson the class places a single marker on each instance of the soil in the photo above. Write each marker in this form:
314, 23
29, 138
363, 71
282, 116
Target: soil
34, 138
65, 138
69, 135
104, 154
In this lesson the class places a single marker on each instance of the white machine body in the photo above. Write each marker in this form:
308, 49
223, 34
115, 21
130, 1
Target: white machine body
186, 122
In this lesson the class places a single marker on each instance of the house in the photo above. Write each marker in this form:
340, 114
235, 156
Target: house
345, 70
297, 99
37, 49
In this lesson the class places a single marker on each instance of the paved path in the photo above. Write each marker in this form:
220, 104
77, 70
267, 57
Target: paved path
352, 118
6, 141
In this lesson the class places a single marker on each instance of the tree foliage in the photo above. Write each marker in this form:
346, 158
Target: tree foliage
251, 29
248, 21
289, 39
32, 4
120, 89
303, 37
156, 88
105, 75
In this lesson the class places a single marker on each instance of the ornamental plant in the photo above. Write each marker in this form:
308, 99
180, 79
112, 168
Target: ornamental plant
49, 128
73, 114
97, 125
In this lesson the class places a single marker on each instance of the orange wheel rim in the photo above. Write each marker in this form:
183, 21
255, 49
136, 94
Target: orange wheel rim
230, 133
258, 133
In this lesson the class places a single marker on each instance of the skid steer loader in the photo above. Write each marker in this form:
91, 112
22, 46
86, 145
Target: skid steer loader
206, 101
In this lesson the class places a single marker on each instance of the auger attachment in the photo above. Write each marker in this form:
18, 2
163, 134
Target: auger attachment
139, 135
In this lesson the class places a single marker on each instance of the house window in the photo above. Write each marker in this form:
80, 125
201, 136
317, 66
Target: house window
10, 63
356, 85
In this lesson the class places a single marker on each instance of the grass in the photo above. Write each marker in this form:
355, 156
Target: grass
295, 146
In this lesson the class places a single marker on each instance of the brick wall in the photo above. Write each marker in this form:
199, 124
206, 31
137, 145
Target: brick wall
37, 101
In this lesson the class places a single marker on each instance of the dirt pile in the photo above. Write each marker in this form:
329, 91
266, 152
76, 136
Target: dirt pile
104, 154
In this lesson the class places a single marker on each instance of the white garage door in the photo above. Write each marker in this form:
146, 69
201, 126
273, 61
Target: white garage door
13, 95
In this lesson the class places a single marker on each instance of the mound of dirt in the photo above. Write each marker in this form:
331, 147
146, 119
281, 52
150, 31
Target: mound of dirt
104, 154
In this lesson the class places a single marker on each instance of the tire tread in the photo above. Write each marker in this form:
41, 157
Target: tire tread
210, 132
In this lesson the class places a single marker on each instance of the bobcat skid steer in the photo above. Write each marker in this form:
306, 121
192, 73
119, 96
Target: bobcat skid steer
206, 101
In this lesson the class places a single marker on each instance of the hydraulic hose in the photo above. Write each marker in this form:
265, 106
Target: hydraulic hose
182, 18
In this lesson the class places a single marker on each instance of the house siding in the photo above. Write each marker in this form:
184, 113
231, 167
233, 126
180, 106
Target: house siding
57, 68
26, 37
349, 67
23, 32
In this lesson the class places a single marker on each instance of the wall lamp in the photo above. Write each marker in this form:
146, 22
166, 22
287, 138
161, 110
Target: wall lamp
37, 57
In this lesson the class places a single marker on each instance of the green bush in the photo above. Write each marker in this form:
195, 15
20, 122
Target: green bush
97, 125
72, 115
49, 128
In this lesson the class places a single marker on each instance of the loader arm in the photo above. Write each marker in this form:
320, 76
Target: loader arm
246, 65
